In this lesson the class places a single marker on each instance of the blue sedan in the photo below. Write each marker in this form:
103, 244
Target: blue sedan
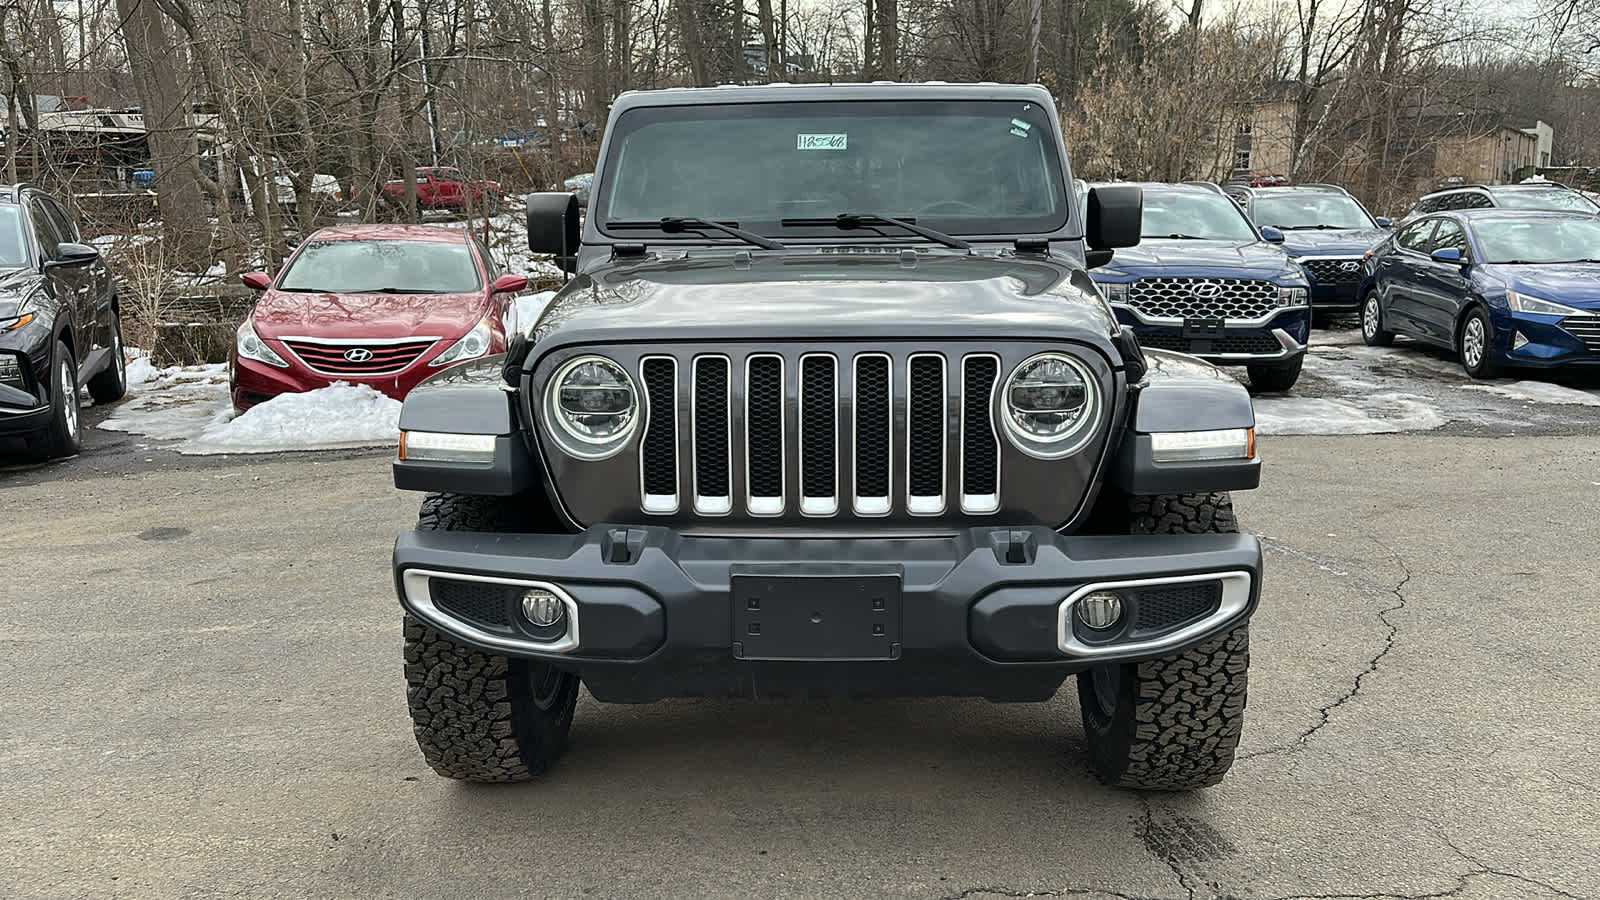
1501, 287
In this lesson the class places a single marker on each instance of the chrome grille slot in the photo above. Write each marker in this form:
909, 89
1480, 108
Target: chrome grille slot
1220, 298
980, 445
712, 437
763, 434
658, 450
874, 433
819, 435
925, 434
1584, 328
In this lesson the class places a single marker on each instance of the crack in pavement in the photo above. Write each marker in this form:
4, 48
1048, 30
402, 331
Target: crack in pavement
1044, 892
1146, 831
1397, 592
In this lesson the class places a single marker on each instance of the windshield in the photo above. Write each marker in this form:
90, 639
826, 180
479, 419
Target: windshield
970, 167
1548, 198
13, 246
1538, 240
1295, 211
1193, 214
400, 267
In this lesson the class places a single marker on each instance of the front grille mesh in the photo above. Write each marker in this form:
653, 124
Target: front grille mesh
1165, 608
477, 602
659, 467
1259, 344
1333, 271
1586, 329
373, 359
821, 435
711, 427
925, 429
1210, 298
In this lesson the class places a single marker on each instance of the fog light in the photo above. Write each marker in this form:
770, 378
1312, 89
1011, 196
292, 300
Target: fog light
1518, 340
543, 608
1100, 610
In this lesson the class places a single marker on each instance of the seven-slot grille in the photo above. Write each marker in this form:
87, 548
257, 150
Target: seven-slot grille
357, 358
837, 422
1586, 329
1209, 298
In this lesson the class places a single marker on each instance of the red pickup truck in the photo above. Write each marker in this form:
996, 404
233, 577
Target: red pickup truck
442, 187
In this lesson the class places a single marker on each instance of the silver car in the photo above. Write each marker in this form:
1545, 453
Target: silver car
579, 186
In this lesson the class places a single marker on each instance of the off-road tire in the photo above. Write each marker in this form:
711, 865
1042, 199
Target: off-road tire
1171, 723
481, 716
1372, 330
1276, 377
111, 383
63, 436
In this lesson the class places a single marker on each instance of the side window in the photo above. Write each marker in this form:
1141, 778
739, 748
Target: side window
63, 223
1429, 205
487, 257
1477, 200
43, 230
1415, 236
1449, 234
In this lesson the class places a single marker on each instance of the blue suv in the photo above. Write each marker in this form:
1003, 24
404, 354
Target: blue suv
1205, 281
1326, 230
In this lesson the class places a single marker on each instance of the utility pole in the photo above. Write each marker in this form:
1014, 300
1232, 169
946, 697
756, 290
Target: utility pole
1034, 14
427, 83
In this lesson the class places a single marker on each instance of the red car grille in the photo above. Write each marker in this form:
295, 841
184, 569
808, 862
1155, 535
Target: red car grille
359, 359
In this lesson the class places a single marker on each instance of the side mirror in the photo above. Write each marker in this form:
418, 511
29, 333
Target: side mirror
1384, 222
1114, 215
1271, 235
73, 254
1448, 255
509, 284
258, 280
553, 227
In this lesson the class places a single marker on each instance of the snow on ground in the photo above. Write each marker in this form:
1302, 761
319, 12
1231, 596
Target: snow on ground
508, 240
1540, 392
187, 407
1379, 414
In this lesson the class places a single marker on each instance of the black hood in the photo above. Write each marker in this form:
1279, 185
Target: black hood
826, 296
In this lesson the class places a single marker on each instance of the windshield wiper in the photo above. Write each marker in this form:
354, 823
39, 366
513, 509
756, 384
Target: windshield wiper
1177, 237
847, 221
393, 290
679, 224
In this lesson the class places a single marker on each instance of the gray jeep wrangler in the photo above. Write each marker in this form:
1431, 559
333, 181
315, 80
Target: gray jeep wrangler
829, 407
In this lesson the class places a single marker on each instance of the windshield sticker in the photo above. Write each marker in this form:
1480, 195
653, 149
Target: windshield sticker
820, 141
1020, 128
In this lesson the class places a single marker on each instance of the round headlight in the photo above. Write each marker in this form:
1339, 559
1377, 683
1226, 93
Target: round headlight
1050, 405
593, 400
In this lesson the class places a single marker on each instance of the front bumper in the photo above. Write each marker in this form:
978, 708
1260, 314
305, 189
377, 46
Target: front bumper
653, 613
1548, 341
24, 404
251, 382
1283, 336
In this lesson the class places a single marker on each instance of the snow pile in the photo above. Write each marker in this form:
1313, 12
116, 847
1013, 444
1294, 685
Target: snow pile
1378, 414
169, 404
1540, 392
338, 416
190, 406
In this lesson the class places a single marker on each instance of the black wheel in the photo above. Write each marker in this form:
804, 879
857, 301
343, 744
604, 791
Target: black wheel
482, 716
110, 384
1372, 331
1276, 377
1475, 345
1171, 723
61, 437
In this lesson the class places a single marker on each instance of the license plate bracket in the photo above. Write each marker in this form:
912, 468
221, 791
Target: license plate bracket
816, 617
1199, 334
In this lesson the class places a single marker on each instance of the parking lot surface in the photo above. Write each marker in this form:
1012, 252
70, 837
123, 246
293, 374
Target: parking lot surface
205, 698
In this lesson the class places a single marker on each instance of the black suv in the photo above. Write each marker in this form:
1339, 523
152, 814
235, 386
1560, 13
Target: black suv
831, 407
1325, 229
1535, 195
59, 325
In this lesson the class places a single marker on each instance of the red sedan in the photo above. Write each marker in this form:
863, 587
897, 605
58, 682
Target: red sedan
381, 305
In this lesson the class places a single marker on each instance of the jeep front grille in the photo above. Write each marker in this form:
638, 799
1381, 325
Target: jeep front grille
767, 415
1209, 298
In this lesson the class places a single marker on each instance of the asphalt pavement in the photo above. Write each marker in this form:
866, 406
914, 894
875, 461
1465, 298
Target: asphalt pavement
204, 697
